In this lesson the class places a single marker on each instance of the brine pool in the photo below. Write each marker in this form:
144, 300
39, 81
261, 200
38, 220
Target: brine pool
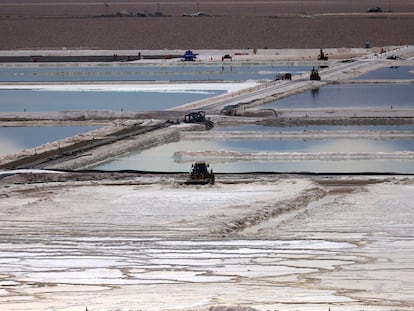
163, 158
14, 139
122, 99
119, 97
138, 72
357, 96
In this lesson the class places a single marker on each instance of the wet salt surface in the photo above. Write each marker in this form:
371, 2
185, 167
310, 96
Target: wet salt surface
14, 139
101, 262
67, 246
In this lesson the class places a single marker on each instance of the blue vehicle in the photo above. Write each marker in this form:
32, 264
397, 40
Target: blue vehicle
189, 56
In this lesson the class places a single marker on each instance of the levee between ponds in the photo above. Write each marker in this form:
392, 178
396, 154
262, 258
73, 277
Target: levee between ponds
88, 149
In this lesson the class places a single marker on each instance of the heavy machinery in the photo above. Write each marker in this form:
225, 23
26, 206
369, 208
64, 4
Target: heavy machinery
195, 117
315, 74
189, 56
200, 174
198, 117
322, 55
284, 76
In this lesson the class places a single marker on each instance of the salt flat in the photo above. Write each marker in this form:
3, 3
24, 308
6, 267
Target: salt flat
152, 243
118, 241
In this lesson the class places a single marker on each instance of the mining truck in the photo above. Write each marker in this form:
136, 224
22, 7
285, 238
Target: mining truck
200, 174
315, 74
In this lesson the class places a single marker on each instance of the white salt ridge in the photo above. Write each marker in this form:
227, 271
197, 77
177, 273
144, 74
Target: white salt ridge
217, 156
197, 88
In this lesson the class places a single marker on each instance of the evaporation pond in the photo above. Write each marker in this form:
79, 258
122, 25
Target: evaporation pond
389, 73
164, 157
138, 72
12, 100
399, 96
14, 139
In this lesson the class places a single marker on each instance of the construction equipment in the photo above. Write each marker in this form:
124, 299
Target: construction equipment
195, 117
315, 74
231, 110
200, 174
375, 9
322, 55
189, 56
198, 117
283, 76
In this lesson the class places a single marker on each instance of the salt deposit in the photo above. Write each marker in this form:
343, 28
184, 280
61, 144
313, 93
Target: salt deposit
156, 244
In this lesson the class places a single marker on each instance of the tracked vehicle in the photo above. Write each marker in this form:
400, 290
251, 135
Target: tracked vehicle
315, 74
200, 174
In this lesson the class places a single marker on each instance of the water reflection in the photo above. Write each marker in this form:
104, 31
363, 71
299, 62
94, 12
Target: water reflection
161, 158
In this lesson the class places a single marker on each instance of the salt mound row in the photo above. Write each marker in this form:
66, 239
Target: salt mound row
225, 156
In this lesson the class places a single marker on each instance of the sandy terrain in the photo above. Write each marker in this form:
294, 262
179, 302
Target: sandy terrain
229, 24
149, 243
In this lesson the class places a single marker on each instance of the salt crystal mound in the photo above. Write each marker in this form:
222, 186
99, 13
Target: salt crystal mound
197, 88
228, 156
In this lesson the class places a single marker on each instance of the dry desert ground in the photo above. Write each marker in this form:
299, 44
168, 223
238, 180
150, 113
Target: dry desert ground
73, 24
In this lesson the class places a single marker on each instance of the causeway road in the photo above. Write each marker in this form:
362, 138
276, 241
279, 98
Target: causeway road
336, 72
